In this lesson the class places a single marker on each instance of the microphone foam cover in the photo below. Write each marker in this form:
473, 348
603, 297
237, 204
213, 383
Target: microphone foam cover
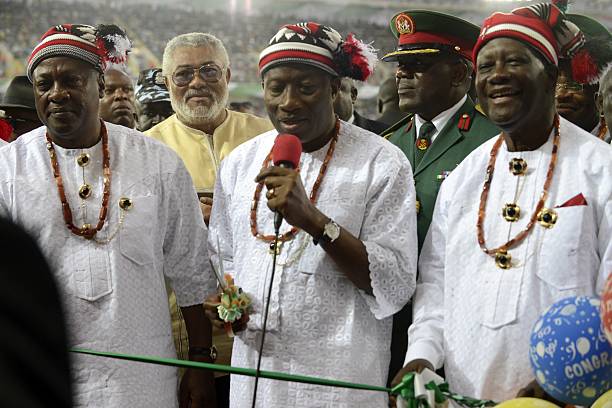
287, 149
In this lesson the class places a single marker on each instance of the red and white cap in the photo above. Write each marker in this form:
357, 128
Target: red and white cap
542, 26
319, 46
99, 46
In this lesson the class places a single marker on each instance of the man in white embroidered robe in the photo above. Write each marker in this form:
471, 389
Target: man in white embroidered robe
471, 315
326, 319
113, 283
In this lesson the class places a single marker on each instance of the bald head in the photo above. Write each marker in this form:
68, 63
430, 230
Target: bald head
117, 103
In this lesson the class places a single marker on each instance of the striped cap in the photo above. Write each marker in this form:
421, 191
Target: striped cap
543, 26
96, 45
319, 46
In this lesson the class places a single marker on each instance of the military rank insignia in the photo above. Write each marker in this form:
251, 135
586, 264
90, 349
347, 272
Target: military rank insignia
422, 144
404, 24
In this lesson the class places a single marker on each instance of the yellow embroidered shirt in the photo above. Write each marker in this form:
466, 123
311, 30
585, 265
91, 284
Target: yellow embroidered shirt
201, 152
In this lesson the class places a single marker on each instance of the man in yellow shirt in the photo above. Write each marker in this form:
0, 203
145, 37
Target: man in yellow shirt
202, 131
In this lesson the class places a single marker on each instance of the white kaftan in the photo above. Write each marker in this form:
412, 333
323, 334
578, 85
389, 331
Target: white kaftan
481, 329
319, 323
114, 294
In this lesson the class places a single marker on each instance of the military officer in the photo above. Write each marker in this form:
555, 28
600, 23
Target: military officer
434, 73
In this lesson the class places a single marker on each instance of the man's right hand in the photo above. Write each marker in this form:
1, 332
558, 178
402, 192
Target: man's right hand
413, 366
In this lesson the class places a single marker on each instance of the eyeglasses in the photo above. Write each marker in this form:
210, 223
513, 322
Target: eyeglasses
569, 87
208, 72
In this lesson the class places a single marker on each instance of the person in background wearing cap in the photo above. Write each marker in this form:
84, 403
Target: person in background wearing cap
521, 223
344, 108
152, 99
434, 56
18, 106
117, 103
115, 213
604, 98
579, 76
196, 70
347, 261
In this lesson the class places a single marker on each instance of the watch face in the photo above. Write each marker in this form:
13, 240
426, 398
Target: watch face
332, 230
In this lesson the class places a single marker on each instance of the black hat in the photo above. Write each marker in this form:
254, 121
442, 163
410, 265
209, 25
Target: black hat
19, 94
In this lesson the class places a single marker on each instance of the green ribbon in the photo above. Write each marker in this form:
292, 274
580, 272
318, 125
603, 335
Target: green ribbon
272, 375
405, 389
441, 393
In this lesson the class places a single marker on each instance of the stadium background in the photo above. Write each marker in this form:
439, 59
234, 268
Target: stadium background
245, 26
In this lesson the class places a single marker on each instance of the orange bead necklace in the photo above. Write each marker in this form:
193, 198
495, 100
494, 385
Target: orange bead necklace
86, 231
485, 193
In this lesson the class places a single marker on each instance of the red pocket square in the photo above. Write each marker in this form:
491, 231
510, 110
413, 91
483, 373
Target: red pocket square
574, 201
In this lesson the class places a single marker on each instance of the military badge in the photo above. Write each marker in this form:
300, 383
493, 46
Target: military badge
404, 24
422, 144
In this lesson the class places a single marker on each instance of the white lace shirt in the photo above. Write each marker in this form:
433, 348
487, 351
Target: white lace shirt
114, 294
320, 323
476, 318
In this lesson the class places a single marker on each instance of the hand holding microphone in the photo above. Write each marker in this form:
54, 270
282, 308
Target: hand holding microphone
286, 194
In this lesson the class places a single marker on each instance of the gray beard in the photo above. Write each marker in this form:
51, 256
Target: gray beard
200, 115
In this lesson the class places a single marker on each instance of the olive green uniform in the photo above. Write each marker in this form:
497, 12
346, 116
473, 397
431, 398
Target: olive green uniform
465, 131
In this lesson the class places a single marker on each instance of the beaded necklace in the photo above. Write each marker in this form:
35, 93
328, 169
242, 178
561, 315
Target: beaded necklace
501, 253
313, 194
603, 129
86, 231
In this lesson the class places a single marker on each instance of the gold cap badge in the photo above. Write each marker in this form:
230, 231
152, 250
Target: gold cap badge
404, 24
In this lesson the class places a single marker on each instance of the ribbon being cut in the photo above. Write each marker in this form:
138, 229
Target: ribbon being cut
418, 390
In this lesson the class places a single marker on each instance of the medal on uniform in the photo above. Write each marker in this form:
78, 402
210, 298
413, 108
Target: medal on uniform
422, 144
547, 217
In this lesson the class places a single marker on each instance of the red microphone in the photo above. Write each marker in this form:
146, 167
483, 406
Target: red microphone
286, 153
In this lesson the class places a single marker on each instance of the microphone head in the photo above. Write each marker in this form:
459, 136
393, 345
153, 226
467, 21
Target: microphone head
287, 150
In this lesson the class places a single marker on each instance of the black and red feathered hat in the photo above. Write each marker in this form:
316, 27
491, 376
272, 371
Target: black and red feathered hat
319, 46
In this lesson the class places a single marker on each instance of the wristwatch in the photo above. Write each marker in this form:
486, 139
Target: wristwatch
331, 232
210, 352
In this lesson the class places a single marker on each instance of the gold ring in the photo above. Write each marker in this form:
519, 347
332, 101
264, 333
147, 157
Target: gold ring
271, 193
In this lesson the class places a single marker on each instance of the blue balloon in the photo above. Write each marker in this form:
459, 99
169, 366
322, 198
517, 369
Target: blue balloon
570, 354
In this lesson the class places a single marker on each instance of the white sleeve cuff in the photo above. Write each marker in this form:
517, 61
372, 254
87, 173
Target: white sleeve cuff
424, 351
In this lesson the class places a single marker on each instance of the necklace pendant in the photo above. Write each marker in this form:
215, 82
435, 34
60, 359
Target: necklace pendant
547, 217
503, 259
511, 212
83, 159
518, 167
85, 191
126, 203
275, 248
87, 232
